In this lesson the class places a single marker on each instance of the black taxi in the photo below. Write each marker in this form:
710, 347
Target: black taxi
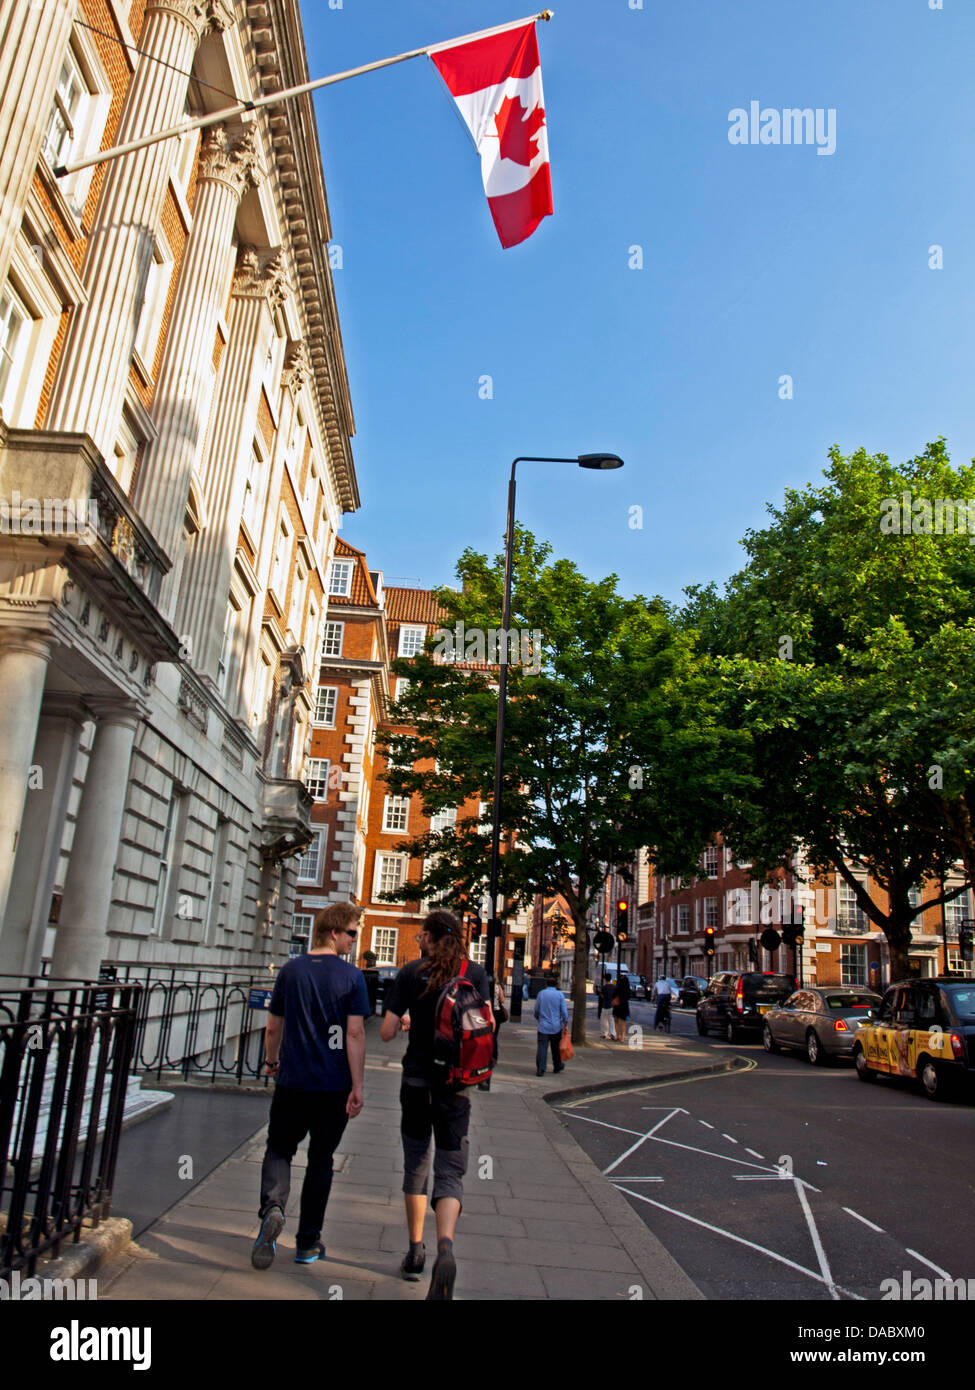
924, 1030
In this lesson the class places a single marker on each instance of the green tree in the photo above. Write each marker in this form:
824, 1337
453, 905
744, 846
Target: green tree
844, 649
611, 743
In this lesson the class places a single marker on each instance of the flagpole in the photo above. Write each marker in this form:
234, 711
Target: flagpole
214, 117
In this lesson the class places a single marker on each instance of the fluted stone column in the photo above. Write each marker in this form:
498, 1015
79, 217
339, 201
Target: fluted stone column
225, 469
103, 331
55, 753
24, 656
33, 40
85, 903
227, 166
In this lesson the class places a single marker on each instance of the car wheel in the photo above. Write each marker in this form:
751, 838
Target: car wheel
768, 1042
932, 1079
814, 1048
702, 1027
863, 1070
731, 1032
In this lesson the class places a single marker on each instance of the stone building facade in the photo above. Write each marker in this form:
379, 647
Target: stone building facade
174, 463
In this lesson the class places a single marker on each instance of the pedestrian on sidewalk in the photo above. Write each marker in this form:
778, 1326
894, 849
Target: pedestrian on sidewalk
607, 993
621, 1006
553, 1019
315, 1046
429, 1107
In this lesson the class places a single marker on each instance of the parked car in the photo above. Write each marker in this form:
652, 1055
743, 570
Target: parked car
638, 986
925, 1030
822, 1022
735, 1002
387, 974
690, 990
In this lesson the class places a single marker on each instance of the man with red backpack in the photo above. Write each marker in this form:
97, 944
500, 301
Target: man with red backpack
441, 994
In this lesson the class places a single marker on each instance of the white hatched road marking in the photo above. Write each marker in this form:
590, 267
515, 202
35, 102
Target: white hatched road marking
937, 1268
642, 1140
755, 1154
851, 1212
729, 1139
817, 1243
740, 1240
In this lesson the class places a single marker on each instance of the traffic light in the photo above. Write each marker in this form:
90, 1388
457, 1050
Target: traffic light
709, 941
475, 925
966, 943
792, 931
622, 921
753, 951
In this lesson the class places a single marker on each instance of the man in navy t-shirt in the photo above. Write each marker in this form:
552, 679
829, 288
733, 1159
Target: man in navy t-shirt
316, 1051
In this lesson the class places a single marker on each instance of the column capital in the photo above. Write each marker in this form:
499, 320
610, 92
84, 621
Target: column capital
115, 709
63, 705
257, 277
26, 639
229, 155
201, 16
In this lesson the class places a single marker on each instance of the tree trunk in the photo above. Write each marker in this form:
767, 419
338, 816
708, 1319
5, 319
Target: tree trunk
898, 934
579, 982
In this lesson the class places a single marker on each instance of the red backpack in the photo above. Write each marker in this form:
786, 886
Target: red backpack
463, 1034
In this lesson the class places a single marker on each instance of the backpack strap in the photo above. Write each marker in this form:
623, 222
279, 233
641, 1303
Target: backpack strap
463, 969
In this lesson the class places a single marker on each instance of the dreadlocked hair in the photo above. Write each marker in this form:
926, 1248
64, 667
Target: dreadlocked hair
448, 951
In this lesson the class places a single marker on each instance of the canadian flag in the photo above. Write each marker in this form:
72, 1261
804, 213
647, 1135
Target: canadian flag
497, 85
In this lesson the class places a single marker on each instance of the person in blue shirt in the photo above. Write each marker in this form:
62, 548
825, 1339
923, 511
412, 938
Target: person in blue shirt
316, 1051
553, 1019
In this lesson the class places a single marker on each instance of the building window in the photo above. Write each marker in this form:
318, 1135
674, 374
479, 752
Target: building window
301, 925
402, 687
332, 640
253, 489
384, 941
77, 117
326, 700
711, 912
396, 811
956, 913
683, 919
310, 863
849, 913
443, 819
853, 965
316, 777
478, 950
411, 640
297, 599
710, 861
340, 579
390, 873
282, 556
14, 334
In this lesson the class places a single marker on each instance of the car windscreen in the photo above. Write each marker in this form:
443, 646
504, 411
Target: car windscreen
767, 986
851, 1001
962, 1001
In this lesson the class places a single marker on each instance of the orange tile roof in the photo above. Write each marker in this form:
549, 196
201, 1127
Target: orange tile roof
362, 594
413, 606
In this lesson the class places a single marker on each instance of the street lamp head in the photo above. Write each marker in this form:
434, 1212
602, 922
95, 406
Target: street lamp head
600, 461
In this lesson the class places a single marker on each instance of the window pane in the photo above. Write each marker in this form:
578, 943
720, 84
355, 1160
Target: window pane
332, 641
396, 812
340, 582
326, 698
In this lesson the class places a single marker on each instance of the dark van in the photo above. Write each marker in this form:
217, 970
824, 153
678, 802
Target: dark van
735, 1002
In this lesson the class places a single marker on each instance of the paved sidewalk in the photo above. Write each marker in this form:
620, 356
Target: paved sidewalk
539, 1219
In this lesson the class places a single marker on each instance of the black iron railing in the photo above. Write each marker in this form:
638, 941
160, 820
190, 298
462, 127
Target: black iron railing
65, 1056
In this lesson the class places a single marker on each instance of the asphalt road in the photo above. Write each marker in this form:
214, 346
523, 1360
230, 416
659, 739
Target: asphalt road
787, 1181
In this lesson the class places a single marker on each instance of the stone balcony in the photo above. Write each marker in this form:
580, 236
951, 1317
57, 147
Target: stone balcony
286, 828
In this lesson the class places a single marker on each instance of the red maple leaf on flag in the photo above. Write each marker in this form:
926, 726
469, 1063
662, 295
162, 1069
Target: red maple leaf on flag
516, 133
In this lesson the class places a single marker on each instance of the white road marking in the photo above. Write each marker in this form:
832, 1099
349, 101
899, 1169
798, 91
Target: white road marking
817, 1243
774, 1177
726, 1158
755, 1154
851, 1212
705, 1124
729, 1139
642, 1140
740, 1240
937, 1268
603, 1124
637, 1179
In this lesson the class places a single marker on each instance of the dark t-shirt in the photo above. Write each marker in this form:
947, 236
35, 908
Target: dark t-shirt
315, 994
407, 996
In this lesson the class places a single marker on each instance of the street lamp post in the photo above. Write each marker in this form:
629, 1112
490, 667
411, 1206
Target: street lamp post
593, 461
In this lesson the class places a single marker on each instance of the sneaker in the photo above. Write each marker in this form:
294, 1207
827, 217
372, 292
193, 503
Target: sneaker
308, 1257
442, 1279
412, 1265
262, 1254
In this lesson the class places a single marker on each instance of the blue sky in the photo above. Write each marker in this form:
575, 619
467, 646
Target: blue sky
759, 261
